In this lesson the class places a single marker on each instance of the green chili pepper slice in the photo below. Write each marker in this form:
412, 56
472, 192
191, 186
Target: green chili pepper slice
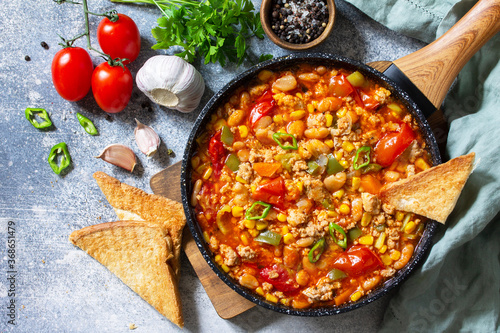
342, 243
65, 160
316, 251
333, 166
87, 124
233, 162
269, 237
336, 274
278, 136
363, 149
30, 114
372, 167
250, 211
227, 136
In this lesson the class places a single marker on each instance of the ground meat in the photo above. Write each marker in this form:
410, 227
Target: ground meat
410, 170
257, 91
371, 203
214, 243
317, 120
267, 286
315, 230
296, 217
387, 272
299, 166
344, 125
381, 95
291, 101
315, 190
245, 172
388, 209
230, 257
323, 291
246, 252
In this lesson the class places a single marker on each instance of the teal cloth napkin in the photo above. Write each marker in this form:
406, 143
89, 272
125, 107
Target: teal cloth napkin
457, 289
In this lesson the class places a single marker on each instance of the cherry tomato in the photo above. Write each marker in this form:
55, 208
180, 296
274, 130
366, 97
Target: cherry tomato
72, 73
120, 39
112, 87
393, 144
264, 105
357, 260
283, 282
340, 87
217, 153
272, 192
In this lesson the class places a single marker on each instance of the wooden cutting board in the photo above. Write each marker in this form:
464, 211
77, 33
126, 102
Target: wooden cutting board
431, 69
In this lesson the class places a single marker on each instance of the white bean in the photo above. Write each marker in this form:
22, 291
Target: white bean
196, 190
335, 182
285, 83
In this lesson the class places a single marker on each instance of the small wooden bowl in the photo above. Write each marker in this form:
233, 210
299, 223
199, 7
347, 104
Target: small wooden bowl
265, 18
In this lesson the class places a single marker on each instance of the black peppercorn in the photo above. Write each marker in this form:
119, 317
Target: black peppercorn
44, 45
27, 58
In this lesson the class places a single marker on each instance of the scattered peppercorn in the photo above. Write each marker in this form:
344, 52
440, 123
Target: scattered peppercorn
45, 45
299, 21
27, 58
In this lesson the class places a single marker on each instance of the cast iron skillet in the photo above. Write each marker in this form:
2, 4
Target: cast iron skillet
328, 60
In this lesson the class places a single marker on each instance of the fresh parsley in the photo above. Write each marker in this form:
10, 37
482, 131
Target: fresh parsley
216, 30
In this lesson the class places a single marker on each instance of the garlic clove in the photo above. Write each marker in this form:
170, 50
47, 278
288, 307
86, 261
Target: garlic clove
172, 82
119, 155
146, 138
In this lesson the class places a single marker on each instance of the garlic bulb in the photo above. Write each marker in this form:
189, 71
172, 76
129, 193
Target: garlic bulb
172, 82
119, 155
146, 138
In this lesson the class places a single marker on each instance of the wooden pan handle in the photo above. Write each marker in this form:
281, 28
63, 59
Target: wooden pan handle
434, 68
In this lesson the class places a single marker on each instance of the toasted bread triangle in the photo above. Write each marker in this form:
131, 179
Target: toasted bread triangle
133, 204
136, 252
432, 193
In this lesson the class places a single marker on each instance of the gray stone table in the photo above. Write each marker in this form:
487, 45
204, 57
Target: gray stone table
58, 288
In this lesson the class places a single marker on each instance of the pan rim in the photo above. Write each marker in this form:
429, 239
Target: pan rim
284, 62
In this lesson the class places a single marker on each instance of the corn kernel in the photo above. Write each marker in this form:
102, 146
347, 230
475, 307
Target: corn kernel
271, 298
421, 164
264, 75
344, 164
243, 131
218, 259
253, 232
366, 240
206, 237
383, 249
244, 239
261, 225
410, 227
253, 188
285, 230
241, 180
395, 255
237, 211
225, 268
338, 155
338, 194
348, 146
341, 112
282, 130
357, 295
356, 182
329, 143
208, 173
332, 213
344, 209
281, 217
288, 239
366, 219
249, 224
400, 216
386, 259
278, 119
299, 95
380, 240
296, 115
219, 123
329, 120
259, 291
300, 186
285, 301
310, 108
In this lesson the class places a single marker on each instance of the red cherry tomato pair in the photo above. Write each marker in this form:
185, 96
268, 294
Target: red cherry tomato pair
73, 73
